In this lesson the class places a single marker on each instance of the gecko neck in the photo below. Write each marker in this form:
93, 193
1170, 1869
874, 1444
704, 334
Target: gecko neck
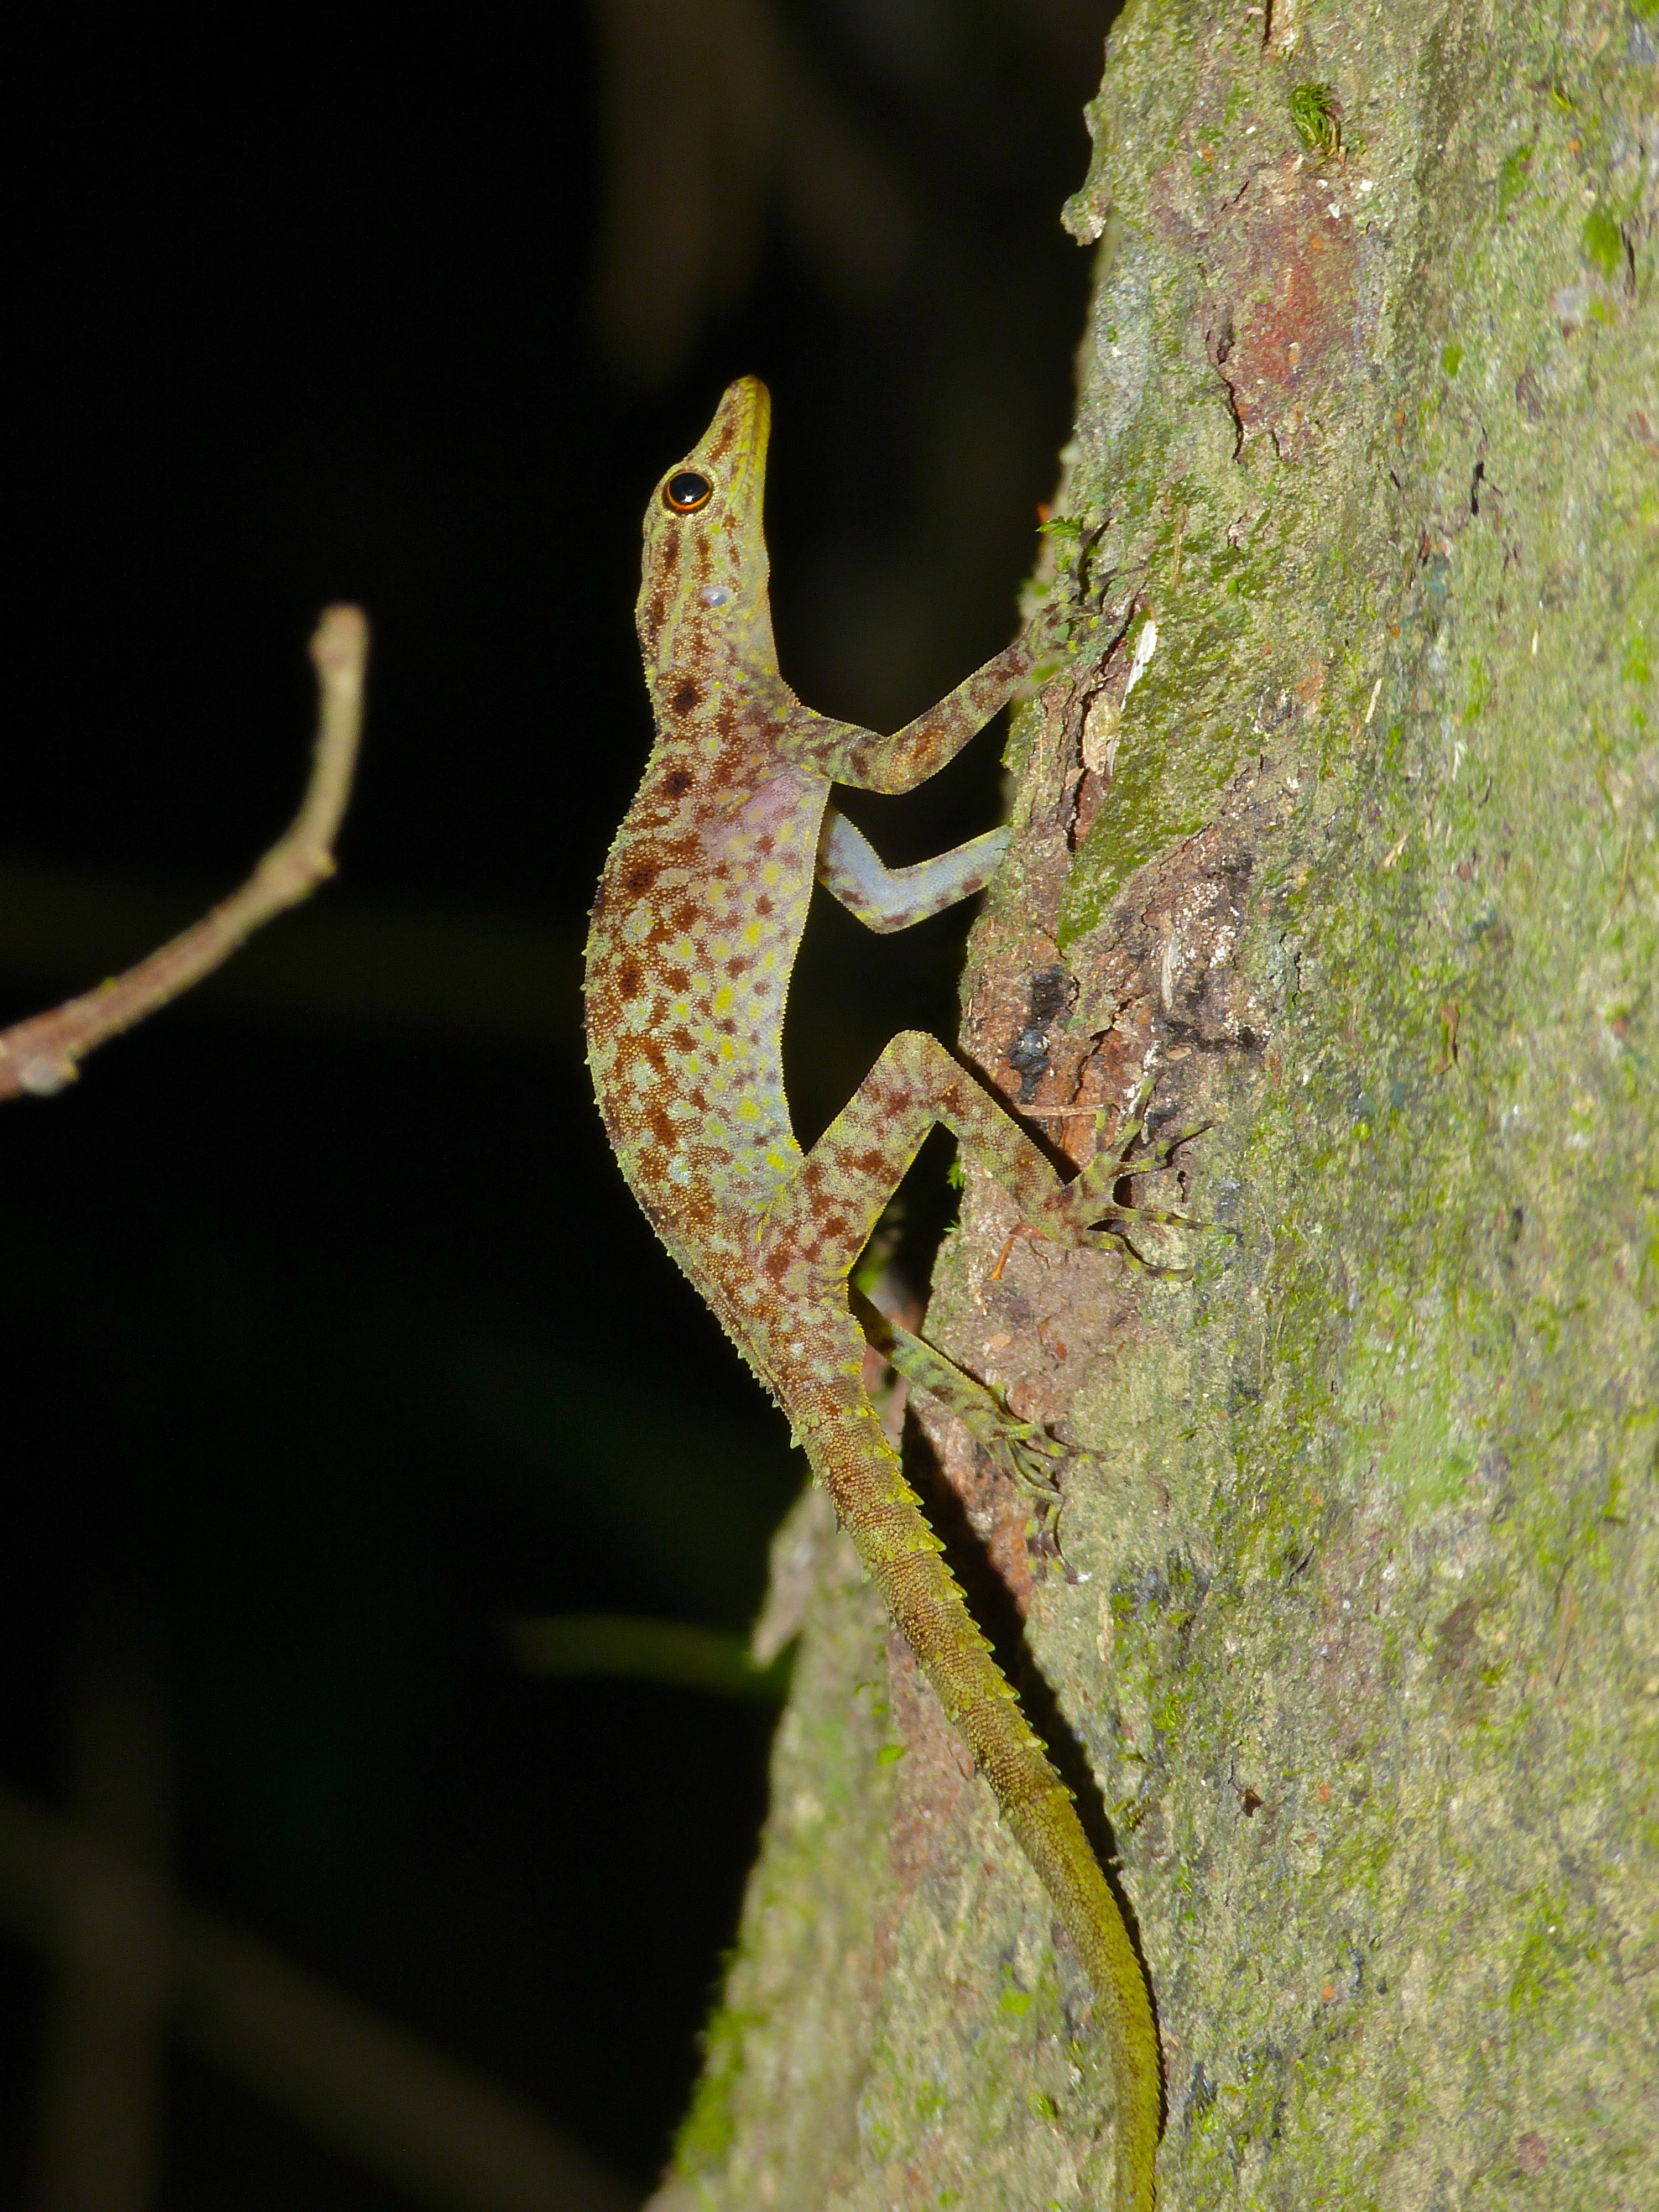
711, 640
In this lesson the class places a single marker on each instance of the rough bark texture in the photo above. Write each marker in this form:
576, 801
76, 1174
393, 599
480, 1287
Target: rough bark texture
1357, 1633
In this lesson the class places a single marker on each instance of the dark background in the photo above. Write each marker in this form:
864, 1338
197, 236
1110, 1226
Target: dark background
334, 1340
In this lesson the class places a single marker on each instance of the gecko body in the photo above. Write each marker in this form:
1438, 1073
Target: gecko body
699, 912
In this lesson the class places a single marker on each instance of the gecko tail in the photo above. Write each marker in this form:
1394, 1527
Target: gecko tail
883, 1515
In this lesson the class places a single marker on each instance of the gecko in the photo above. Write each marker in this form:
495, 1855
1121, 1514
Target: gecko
699, 914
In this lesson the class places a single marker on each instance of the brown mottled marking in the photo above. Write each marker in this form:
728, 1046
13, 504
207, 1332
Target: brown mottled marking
701, 1128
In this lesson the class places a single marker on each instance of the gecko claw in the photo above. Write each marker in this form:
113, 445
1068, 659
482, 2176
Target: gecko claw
1164, 1154
1165, 1218
1024, 1453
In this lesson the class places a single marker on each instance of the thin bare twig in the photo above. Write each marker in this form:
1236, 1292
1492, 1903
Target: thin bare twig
42, 1054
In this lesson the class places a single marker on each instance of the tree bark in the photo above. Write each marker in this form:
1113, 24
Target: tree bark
1353, 1650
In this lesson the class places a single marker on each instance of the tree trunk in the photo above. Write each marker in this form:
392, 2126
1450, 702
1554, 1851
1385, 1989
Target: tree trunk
1351, 1649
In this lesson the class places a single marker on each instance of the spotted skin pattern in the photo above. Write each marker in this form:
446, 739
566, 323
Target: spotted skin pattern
695, 927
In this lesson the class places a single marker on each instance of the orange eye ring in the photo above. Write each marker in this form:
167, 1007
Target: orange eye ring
686, 491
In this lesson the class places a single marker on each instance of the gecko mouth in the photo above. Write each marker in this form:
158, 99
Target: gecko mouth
737, 439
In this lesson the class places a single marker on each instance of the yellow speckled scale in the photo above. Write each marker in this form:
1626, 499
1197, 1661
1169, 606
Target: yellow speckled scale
699, 914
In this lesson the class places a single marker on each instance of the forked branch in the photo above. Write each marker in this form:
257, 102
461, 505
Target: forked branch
42, 1054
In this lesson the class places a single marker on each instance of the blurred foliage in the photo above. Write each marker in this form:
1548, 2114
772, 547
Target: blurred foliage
648, 1651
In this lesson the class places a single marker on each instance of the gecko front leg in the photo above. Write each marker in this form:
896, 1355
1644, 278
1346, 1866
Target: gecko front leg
886, 899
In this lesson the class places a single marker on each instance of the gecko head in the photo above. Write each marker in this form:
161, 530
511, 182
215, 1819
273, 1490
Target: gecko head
703, 583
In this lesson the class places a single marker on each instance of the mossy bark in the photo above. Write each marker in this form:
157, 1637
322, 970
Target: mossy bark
1356, 1632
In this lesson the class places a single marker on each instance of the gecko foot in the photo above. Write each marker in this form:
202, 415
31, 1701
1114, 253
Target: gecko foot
1031, 1456
1091, 1199
1028, 1453
1111, 1164
1114, 1236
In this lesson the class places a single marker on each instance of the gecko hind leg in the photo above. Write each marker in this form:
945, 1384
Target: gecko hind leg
814, 1230
812, 1233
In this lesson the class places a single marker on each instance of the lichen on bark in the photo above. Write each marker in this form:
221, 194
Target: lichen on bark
1356, 1635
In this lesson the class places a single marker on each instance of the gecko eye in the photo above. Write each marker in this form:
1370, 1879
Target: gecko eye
687, 491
